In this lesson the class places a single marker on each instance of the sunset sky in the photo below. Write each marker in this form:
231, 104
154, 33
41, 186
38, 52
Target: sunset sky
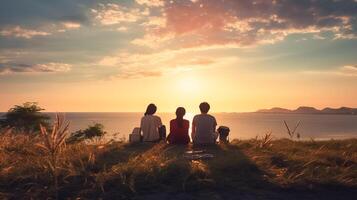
239, 55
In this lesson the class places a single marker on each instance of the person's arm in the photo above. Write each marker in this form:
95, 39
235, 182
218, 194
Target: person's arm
141, 125
171, 131
214, 124
215, 134
159, 122
171, 126
141, 130
193, 129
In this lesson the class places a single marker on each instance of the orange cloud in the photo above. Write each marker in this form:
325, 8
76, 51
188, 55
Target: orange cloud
11, 68
163, 62
71, 25
110, 14
191, 23
137, 74
20, 32
151, 3
347, 70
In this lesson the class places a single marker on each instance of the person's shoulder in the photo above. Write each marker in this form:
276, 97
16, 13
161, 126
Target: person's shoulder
211, 117
156, 117
197, 116
172, 121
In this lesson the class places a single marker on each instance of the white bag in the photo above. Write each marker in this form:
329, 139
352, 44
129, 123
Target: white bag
135, 136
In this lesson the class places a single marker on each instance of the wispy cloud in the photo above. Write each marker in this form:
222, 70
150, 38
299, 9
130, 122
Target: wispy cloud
151, 3
346, 71
245, 23
132, 74
11, 68
71, 25
19, 32
110, 14
160, 63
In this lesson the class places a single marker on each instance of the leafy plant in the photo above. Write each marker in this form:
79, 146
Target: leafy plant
25, 118
92, 132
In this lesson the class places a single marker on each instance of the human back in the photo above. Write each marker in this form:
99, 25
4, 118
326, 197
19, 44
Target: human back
179, 128
150, 125
204, 126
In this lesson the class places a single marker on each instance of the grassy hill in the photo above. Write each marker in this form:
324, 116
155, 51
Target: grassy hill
250, 169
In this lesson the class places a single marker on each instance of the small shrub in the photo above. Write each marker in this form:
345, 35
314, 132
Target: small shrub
25, 118
92, 132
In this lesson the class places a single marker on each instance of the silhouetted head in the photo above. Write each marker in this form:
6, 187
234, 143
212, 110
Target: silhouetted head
204, 107
180, 112
151, 109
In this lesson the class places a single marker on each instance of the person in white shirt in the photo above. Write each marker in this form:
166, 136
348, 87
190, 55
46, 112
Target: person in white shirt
204, 126
150, 125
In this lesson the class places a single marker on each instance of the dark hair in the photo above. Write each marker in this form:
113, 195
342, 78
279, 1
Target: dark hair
151, 109
180, 112
204, 107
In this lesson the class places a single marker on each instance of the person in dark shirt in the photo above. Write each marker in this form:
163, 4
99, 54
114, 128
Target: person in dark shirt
204, 126
179, 128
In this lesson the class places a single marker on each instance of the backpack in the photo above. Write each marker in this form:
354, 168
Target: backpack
135, 135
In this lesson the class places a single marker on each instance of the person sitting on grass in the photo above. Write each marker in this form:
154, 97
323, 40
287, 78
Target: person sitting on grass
150, 125
179, 128
204, 126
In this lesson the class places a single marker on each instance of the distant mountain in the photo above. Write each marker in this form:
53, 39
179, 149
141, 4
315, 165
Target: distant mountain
312, 110
274, 110
342, 110
306, 110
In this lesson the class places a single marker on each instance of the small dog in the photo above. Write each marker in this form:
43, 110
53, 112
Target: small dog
223, 132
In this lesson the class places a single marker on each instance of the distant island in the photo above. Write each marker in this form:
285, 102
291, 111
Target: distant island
311, 110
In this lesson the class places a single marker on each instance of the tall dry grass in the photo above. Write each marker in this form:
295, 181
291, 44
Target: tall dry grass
53, 143
119, 170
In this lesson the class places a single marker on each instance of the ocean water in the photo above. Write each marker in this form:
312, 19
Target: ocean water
242, 125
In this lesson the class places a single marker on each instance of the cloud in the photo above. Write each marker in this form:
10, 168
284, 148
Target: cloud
71, 25
155, 22
122, 29
134, 65
44, 30
153, 40
151, 3
11, 68
110, 14
350, 69
20, 32
246, 23
346, 71
37, 13
130, 74
165, 59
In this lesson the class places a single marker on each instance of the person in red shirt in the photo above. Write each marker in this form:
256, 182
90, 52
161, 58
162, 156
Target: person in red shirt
179, 128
